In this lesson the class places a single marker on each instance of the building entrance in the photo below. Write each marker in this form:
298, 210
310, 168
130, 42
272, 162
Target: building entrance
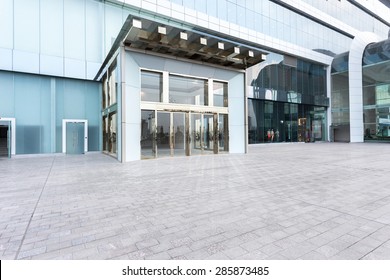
5, 139
170, 133
74, 136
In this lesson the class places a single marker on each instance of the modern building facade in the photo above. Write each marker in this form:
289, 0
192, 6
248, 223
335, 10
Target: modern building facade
144, 78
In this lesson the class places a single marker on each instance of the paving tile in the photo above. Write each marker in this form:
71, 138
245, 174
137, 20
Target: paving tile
347, 254
30, 253
235, 252
313, 255
252, 245
197, 255
179, 251
218, 206
270, 249
327, 251
297, 251
159, 256
147, 243
140, 254
218, 256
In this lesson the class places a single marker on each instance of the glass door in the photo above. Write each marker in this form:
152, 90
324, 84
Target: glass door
196, 134
105, 133
112, 133
178, 129
208, 133
5, 139
164, 136
167, 134
75, 138
9, 139
148, 134
223, 133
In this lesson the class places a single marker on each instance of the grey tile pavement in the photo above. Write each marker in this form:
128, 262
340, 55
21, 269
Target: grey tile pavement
279, 201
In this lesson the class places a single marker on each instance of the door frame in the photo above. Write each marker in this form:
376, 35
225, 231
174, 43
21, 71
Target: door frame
188, 130
64, 122
13, 133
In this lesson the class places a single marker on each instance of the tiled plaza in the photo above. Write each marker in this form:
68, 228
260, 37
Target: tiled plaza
279, 201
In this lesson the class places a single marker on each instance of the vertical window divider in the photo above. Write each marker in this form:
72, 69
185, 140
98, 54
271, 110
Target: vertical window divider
165, 94
211, 92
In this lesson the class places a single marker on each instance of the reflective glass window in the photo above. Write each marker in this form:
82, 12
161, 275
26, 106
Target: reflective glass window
220, 94
232, 12
185, 90
212, 9
112, 86
382, 95
222, 9
104, 92
151, 86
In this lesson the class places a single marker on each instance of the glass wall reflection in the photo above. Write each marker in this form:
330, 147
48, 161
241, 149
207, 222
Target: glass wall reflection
186, 90
288, 102
340, 128
151, 86
376, 92
273, 122
148, 134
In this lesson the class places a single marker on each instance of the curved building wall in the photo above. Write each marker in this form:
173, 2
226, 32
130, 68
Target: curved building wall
355, 84
340, 123
288, 103
376, 92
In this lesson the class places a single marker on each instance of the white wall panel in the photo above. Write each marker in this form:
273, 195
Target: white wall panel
358, 45
26, 30
52, 27
26, 61
176, 66
92, 69
113, 24
74, 29
131, 114
51, 65
94, 31
6, 24
75, 68
5, 59
237, 116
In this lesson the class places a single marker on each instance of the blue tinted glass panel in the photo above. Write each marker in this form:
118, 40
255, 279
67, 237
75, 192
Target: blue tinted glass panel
212, 8
92, 114
27, 114
7, 105
74, 138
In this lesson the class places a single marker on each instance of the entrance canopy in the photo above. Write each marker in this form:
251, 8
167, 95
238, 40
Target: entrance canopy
183, 41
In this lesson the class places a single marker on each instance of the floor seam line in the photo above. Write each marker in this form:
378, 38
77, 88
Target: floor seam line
35, 208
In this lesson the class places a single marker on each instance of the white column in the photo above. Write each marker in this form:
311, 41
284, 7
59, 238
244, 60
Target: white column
210, 92
236, 99
329, 95
165, 98
358, 45
131, 111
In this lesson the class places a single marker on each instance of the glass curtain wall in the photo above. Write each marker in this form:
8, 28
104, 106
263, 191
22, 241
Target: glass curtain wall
40, 103
186, 90
340, 127
151, 84
376, 92
110, 93
183, 129
273, 122
277, 21
220, 94
288, 103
